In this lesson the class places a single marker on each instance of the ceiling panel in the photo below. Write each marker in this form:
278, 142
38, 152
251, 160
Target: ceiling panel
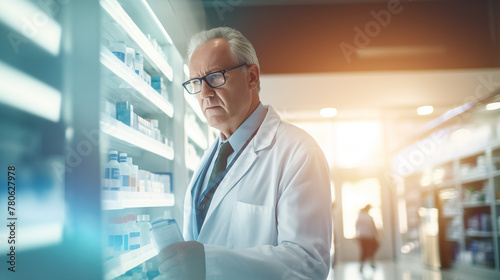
367, 36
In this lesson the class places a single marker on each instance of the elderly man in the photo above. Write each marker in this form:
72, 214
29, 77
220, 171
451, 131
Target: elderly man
258, 206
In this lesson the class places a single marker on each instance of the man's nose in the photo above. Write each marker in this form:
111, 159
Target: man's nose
206, 90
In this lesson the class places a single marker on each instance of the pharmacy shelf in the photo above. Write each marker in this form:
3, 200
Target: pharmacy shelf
146, 20
453, 239
119, 265
137, 92
117, 200
474, 151
194, 132
476, 233
191, 164
474, 204
133, 139
451, 215
482, 176
121, 27
193, 103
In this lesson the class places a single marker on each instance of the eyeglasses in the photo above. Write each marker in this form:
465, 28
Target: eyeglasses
214, 80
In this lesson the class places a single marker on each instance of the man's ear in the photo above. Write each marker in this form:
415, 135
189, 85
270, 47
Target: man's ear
253, 76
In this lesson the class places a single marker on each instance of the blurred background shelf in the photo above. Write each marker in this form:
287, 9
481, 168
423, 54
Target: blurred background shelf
193, 104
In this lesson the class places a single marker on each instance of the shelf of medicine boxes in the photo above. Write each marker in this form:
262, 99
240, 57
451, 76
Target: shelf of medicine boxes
119, 265
138, 93
474, 177
122, 135
194, 132
119, 27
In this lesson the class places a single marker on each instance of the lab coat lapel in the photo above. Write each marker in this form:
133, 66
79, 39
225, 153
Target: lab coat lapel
195, 184
239, 169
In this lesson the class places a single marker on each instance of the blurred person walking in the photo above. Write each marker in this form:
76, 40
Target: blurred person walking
367, 237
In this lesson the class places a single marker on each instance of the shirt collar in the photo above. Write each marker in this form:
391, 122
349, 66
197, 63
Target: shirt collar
246, 129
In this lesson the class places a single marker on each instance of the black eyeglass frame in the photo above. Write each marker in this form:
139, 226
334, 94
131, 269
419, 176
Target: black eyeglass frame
201, 79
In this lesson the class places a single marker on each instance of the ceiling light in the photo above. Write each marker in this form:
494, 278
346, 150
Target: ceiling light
493, 106
328, 112
425, 110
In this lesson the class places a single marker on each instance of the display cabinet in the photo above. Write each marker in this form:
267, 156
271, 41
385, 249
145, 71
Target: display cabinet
145, 114
458, 166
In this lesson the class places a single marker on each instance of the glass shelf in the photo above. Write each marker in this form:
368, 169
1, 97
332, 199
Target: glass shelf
476, 233
124, 135
124, 27
144, 98
195, 133
481, 176
123, 263
193, 103
125, 200
146, 20
473, 204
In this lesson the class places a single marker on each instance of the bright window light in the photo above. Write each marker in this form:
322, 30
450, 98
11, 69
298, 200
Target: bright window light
425, 110
28, 20
328, 112
358, 143
186, 70
461, 135
29, 94
493, 106
324, 134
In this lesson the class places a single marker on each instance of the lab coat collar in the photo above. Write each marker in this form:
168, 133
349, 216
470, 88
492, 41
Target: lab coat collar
267, 130
262, 140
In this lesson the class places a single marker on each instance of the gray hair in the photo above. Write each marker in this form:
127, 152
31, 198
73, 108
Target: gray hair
242, 51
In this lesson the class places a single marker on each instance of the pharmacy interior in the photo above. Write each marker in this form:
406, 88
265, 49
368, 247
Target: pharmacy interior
101, 140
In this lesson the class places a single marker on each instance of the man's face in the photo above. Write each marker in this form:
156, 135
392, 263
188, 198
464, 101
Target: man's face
225, 107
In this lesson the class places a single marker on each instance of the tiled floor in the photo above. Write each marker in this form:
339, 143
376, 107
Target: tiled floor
389, 270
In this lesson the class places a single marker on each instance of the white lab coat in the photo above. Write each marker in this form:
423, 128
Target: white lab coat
270, 217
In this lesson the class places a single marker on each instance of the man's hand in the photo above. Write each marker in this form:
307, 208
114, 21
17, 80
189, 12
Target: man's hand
183, 260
